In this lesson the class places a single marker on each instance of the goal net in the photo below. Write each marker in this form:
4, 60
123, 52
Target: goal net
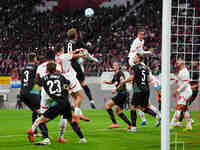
185, 42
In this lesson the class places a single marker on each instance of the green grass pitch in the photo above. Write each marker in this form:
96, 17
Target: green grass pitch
14, 124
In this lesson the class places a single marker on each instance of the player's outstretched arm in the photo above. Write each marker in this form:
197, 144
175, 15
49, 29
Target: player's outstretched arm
107, 82
131, 78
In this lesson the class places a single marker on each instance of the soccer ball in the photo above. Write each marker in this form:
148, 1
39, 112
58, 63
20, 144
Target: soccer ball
89, 12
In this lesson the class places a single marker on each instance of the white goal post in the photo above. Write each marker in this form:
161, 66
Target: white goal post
165, 73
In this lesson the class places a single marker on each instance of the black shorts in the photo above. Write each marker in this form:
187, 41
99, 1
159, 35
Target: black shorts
59, 108
120, 99
31, 100
140, 99
80, 74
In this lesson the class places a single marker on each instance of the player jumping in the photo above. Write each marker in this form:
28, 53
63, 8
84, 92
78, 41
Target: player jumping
73, 44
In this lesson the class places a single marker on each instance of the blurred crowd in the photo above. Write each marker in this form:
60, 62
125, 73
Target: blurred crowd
24, 30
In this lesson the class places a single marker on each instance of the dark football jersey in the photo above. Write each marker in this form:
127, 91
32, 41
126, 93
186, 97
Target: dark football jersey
116, 80
27, 77
72, 45
55, 85
140, 82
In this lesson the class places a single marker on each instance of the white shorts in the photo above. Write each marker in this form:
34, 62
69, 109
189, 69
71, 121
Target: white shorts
184, 96
75, 86
44, 105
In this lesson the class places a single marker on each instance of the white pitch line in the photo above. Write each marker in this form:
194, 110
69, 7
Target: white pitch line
95, 130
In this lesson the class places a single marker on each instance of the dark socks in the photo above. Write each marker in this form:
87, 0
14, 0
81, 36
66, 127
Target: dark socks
44, 130
76, 129
87, 92
34, 117
159, 106
150, 112
123, 117
181, 116
112, 117
133, 117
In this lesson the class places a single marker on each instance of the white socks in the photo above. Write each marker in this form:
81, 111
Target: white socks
77, 111
63, 124
141, 114
175, 117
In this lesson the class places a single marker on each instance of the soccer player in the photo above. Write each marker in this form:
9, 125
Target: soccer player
183, 94
138, 47
195, 86
29, 93
140, 100
119, 99
73, 44
41, 72
55, 85
75, 88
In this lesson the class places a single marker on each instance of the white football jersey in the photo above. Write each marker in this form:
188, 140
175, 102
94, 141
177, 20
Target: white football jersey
136, 47
64, 61
42, 69
184, 79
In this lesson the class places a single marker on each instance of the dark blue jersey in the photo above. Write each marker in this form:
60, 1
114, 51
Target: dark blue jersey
27, 77
141, 73
55, 86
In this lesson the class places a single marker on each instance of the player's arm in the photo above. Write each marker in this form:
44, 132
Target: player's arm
150, 79
131, 78
121, 80
38, 81
108, 82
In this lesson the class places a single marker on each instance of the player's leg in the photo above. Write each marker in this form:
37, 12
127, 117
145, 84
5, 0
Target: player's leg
67, 114
81, 79
36, 105
133, 117
77, 95
158, 114
88, 93
141, 114
77, 100
108, 108
189, 102
50, 114
123, 116
63, 124
119, 100
144, 104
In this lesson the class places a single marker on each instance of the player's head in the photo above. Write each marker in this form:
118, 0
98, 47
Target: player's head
138, 58
140, 34
59, 48
51, 67
180, 61
116, 66
32, 57
50, 55
72, 34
